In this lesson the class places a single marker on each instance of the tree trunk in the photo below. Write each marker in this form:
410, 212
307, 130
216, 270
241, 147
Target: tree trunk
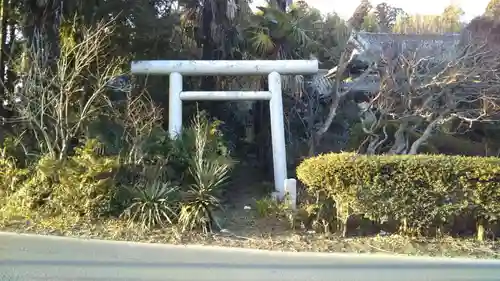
424, 137
41, 24
11, 75
400, 140
3, 51
208, 49
481, 230
262, 133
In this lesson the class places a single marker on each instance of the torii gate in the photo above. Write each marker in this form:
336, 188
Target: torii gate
273, 68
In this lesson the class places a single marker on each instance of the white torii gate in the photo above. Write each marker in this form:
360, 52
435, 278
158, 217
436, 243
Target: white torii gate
272, 68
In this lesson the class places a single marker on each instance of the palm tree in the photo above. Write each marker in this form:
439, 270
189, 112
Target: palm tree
278, 33
217, 29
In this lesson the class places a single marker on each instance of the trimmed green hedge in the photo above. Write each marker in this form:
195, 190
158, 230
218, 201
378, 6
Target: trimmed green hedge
421, 192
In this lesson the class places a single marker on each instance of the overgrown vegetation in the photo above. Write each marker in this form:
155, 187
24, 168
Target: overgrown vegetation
91, 186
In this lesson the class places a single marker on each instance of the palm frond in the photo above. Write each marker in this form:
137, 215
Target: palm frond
261, 42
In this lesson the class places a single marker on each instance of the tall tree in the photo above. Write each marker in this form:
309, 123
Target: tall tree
4, 14
8, 48
370, 23
451, 18
424, 24
493, 9
358, 17
386, 16
274, 33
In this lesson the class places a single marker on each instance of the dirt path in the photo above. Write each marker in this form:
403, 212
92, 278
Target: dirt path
240, 217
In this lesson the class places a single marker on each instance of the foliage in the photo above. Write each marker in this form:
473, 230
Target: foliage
177, 154
421, 192
11, 175
182, 181
493, 9
279, 34
91, 185
81, 184
55, 104
209, 172
382, 18
448, 22
84, 183
270, 206
153, 204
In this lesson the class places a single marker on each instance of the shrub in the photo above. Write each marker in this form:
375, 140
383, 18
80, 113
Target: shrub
11, 175
321, 175
175, 182
420, 191
84, 183
209, 169
153, 204
183, 187
81, 184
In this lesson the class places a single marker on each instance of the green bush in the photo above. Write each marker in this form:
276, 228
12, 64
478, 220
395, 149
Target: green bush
186, 185
421, 192
11, 175
174, 182
82, 184
153, 204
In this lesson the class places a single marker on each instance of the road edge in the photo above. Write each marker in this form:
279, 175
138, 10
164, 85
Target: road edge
251, 251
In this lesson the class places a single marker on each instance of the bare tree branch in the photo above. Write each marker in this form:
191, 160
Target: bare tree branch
424, 93
56, 103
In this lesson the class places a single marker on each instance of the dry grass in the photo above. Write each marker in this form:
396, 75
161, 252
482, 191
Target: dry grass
248, 231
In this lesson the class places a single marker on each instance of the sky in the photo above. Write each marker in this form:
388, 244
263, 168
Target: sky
345, 8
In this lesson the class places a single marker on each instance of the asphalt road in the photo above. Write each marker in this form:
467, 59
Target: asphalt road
30, 257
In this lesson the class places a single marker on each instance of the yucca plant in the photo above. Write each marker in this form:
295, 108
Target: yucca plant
209, 173
153, 204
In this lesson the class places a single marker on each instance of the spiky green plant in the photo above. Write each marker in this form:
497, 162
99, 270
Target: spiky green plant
209, 174
153, 204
